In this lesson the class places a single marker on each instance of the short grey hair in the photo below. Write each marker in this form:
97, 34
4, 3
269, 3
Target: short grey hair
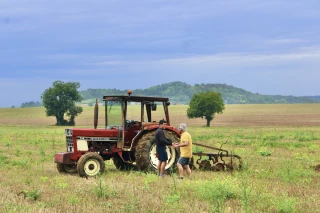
183, 126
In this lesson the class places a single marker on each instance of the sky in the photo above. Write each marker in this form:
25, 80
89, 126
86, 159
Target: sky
270, 47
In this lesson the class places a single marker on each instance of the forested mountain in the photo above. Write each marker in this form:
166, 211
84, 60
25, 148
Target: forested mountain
181, 93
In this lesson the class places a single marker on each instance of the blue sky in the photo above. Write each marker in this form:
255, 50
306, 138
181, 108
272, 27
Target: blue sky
268, 47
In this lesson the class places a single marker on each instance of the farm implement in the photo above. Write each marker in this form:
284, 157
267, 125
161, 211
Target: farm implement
220, 160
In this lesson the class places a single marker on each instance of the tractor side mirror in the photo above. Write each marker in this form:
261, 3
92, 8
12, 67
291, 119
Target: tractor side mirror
153, 106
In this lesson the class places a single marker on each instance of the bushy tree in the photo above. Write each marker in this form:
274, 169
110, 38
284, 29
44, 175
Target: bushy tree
205, 105
60, 99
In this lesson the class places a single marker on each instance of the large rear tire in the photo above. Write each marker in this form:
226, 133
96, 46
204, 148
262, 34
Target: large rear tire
120, 164
146, 158
90, 164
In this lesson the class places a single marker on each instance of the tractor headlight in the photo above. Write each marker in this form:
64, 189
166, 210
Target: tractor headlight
68, 132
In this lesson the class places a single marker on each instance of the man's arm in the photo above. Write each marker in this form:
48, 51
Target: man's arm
184, 143
163, 140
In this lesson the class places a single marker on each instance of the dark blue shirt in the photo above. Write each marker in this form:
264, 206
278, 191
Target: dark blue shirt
161, 138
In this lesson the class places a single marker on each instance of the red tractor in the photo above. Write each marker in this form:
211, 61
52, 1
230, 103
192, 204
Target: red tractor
127, 139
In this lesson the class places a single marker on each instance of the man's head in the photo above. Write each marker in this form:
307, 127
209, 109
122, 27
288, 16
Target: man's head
183, 127
162, 123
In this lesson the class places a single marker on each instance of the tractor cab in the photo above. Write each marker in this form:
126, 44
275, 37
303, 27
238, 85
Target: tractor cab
130, 115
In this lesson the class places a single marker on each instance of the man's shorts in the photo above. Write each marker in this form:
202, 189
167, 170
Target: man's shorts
184, 161
162, 153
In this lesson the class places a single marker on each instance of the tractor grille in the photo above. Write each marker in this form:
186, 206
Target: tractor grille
69, 144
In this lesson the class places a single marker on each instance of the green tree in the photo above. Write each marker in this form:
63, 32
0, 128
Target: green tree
205, 105
60, 99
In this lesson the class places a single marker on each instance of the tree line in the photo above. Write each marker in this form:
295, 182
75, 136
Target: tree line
31, 104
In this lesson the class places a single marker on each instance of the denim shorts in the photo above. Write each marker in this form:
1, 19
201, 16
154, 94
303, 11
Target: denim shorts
184, 161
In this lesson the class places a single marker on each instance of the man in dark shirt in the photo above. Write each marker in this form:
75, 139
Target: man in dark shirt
161, 146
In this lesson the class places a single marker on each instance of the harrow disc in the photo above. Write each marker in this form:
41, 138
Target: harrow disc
215, 163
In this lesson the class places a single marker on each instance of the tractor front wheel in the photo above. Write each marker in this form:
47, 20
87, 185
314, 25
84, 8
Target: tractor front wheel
90, 164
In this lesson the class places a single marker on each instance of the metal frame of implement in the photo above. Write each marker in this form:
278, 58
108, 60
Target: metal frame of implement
218, 161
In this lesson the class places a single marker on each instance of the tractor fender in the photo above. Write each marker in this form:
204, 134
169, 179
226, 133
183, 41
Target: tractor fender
136, 139
155, 127
139, 136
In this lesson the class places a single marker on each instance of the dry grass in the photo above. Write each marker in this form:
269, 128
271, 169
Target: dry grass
234, 115
278, 143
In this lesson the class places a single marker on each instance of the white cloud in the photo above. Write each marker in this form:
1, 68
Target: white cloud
286, 41
249, 59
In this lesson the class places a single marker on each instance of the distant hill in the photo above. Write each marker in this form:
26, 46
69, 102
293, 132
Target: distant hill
181, 93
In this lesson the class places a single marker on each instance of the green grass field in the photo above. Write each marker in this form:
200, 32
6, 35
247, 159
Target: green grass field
279, 145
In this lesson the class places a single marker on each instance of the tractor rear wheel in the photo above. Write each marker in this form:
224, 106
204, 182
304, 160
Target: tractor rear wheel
67, 168
119, 164
146, 156
90, 164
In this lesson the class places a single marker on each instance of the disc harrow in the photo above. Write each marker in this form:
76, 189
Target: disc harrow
221, 160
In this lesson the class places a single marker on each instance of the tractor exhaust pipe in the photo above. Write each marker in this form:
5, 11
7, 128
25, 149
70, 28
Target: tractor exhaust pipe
96, 111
